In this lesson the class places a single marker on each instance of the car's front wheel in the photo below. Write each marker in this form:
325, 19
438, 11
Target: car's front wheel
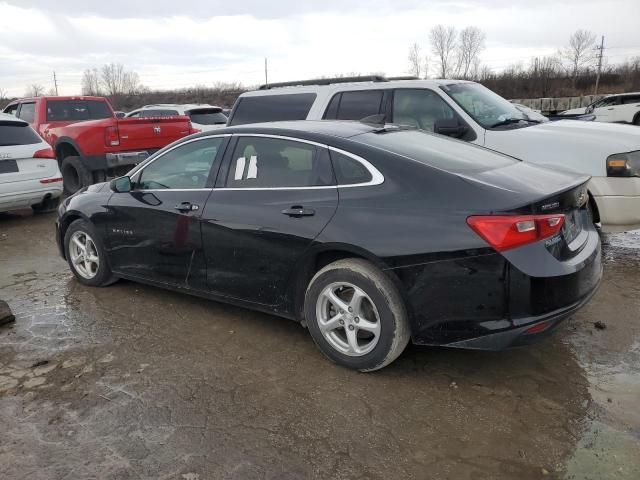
356, 315
86, 255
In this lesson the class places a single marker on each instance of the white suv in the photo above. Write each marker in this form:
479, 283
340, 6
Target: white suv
29, 174
623, 108
204, 117
468, 111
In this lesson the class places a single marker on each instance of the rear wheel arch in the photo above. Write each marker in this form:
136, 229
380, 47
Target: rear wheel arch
66, 149
66, 221
593, 206
316, 260
636, 119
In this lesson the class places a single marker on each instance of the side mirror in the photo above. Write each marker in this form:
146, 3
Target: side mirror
589, 109
450, 127
120, 114
121, 184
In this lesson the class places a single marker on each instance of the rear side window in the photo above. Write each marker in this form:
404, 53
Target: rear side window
260, 162
76, 110
27, 112
348, 170
17, 134
272, 108
358, 105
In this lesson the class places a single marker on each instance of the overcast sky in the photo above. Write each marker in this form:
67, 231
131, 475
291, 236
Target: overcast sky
173, 44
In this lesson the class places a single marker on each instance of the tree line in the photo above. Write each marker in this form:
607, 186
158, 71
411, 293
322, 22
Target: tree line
571, 71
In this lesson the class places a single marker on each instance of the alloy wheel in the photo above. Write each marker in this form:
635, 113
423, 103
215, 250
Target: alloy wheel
348, 319
84, 255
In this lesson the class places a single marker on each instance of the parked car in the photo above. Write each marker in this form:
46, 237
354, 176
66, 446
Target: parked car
371, 236
89, 141
621, 108
530, 113
29, 175
471, 112
203, 117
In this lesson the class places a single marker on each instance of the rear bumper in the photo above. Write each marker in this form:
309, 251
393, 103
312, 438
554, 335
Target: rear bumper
18, 195
122, 159
618, 202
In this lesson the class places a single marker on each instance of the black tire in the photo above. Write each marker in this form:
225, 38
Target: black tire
636, 120
75, 175
46, 206
103, 275
382, 293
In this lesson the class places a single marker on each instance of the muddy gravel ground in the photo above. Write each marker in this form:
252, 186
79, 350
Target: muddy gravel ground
132, 382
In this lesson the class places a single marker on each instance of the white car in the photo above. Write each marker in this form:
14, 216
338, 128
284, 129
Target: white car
471, 112
204, 117
622, 108
29, 174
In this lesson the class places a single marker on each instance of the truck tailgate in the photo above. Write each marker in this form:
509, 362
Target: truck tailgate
152, 132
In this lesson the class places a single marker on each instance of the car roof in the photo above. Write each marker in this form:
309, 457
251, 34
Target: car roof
302, 128
366, 85
184, 106
622, 94
6, 117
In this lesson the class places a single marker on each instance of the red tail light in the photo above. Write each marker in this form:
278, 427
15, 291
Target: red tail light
504, 232
45, 153
111, 137
51, 180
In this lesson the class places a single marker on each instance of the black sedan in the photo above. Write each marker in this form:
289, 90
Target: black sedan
370, 236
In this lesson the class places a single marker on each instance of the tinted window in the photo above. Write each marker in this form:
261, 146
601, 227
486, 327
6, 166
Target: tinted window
207, 117
27, 112
332, 109
270, 162
76, 110
15, 134
185, 167
158, 112
437, 151
12, 109
348, 170
272, 108
358, 105
630, 99
420, 108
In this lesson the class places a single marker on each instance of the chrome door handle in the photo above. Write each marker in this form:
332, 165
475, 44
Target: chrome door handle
187, 207
298, 211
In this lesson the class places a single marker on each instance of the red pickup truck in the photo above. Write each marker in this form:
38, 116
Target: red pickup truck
90, 142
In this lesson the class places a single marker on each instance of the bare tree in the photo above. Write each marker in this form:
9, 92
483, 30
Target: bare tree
580, 52
470, 44
443, 45
415, 60
34, 90
3, 94
117, 81
91, 82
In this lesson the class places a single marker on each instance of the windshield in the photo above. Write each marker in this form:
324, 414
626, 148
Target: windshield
436, 150
13, 133
487, 108
207, 117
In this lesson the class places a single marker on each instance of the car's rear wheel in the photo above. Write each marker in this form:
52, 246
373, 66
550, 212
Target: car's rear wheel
86, 255
356, 315
75, 175
636, 120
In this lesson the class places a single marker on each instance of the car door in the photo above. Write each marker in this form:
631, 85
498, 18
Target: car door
604, 110
153, 231
275, 196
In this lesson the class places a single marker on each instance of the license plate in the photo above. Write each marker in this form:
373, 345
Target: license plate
8, 166
572, 225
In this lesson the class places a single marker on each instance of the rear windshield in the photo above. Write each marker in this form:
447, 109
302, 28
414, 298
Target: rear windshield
74, 110
272, 108
207, 116
12, 133
437, 151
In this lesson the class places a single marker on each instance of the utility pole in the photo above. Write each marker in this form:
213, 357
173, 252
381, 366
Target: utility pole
55, 82
599, 55
266, 76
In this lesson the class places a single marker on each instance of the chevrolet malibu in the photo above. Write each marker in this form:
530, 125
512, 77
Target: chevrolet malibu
370, 236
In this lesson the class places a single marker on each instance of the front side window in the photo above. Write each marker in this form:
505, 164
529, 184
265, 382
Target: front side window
606, 102
272, 108
12, 109
185, 167
27, 112
260, 162
486, 107
420, 108
629, 99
